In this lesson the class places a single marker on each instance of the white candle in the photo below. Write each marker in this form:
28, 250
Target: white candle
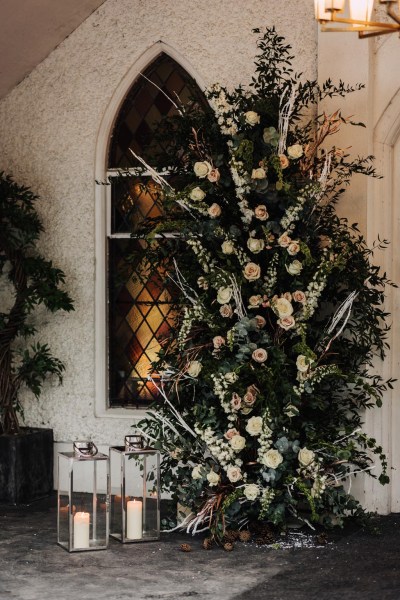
81, 530
134, 521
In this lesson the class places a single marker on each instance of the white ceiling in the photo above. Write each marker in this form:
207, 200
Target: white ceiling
31, 29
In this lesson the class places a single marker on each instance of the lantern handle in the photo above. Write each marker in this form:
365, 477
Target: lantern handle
85, 449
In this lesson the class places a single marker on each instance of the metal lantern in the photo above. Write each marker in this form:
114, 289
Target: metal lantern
135, 491
83, 507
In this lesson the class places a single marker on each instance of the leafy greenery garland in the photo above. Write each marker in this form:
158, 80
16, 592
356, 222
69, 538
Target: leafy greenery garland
279, 310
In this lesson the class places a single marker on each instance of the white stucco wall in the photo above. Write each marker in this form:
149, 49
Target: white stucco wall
49, 126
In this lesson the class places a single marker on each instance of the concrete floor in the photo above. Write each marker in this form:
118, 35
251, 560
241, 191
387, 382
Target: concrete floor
353, 565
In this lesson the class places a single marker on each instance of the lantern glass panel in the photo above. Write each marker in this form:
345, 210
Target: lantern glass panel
82, 502
134, 497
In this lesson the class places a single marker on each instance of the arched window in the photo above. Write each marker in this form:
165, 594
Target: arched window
139, 309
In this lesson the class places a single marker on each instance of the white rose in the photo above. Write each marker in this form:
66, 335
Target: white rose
293, 248
294, 268
255, 245
228, 247
306, 457
252, 271
299, 296
283, 307
218, 341
233, 473
202, 169
214, 211
254, 426
259, 355
258, 173
197, 194
287, 322
212, 478
196, 472
251, 117
284, 240
224, 295
272, 459
231, 377
251, 491
238, 442
261, 212
194, 368
302, 363
295, 151
226, 311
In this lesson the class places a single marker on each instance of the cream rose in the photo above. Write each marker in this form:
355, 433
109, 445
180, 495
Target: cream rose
218, 341
284, 240
302, 363
238, 442
236, 401
233, 473
212, 478
228, 247
259, 355
226, 311
261, 322
252, 271
299, 296
294, 268
251, 491
261, 212
231, 377
202, 169
196, 472
283, 307
272, 459
287, 296
230, 433
258, 173
197, 194
224, 295
293, 248
286, 323
306, 457
284, 161
214, 211
295, 151
213, 175
255, 245
251, 117
254, 426
194, 368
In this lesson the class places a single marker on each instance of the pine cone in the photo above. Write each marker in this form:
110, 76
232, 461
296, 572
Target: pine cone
322, 539
267, 538
244, 536
207, 543
186, 547
228, 546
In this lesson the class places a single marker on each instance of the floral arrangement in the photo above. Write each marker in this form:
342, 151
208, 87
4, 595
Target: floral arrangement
280, 315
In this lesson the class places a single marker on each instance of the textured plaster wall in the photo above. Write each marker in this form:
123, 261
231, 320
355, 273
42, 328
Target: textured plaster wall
48, 129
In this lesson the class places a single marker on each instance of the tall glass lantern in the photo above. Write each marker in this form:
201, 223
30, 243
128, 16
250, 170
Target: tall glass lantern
83, 507
135, 491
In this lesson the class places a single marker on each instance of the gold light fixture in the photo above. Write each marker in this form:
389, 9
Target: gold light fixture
356, 15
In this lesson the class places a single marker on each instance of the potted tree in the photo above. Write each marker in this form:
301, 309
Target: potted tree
27, 281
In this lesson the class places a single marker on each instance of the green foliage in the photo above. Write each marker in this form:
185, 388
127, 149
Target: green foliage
34, 281
280, 309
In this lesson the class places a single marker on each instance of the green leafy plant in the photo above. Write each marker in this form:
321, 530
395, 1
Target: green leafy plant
280, 314
29, 281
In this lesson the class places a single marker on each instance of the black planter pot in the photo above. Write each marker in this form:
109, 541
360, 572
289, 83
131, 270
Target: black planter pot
26, 466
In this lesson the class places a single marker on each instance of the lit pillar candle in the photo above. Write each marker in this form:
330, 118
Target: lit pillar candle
81, 530
134, 520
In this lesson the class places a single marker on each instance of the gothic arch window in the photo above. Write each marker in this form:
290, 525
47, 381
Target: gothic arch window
139, 310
